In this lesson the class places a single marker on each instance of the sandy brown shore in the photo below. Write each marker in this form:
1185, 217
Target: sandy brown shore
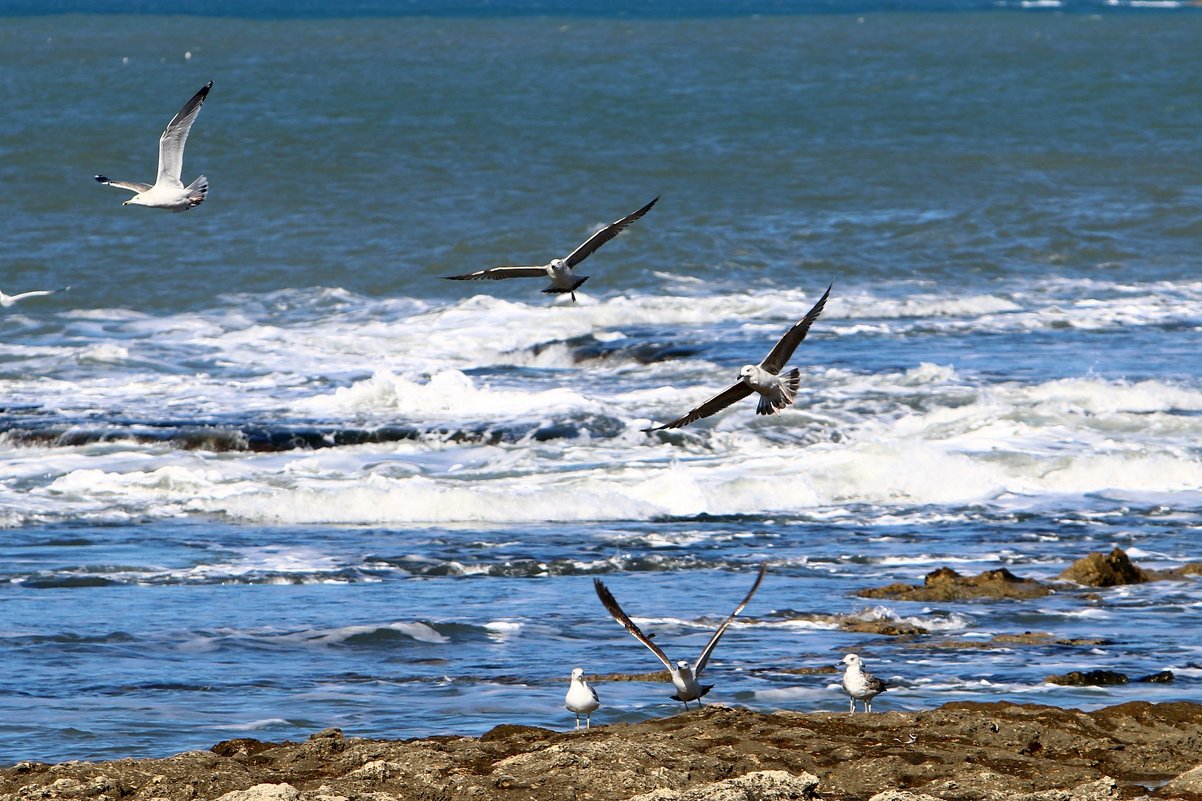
958, 751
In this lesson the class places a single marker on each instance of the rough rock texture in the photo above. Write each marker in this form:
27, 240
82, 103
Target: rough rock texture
764, 785
1116, 568
970, 751
946, 584
1105, 570
1187, 784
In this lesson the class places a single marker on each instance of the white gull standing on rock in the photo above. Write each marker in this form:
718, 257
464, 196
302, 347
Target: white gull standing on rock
859, 683
168, 191
581, 698
776, 391
559, 270
684, 677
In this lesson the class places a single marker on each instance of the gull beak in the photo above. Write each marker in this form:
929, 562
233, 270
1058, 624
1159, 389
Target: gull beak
125, 203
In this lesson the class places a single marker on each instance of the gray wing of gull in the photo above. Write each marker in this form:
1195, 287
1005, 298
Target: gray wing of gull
775, 361
589, 687
611, 605
171, 143
499, 273
874, 684
712, 406
605, 234
132, 186
709, 646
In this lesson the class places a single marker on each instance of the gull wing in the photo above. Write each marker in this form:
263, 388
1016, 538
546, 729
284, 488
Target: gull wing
34, 294
611, 605
499, 273
709, 646
775, 361
132, 186
605, 234
171, 143
712, 406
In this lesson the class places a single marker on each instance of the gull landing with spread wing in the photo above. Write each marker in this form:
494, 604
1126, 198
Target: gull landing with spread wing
776, 391
559, 271
685, 677
168, 191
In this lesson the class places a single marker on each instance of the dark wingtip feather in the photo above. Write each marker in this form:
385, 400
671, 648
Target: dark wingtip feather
100, 179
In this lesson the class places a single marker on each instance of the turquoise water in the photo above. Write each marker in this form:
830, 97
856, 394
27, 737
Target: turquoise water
264, 471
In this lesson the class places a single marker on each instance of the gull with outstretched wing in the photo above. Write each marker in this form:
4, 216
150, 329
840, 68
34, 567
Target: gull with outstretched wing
559, 271
685, 677
776, 391
168, 191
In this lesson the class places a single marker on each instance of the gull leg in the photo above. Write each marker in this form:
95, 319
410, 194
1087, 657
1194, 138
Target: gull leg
588, 721
577, 721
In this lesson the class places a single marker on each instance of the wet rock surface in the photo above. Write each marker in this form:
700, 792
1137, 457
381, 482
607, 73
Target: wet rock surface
946, 584
971, 751
1116, 569
1105, 570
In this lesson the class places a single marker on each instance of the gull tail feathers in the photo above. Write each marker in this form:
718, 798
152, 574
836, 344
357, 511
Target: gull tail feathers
554, 290
790, 383
197, 191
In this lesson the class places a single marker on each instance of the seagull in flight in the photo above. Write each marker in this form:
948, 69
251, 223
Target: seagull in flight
776, 391
581, 698
859, 683
684, 677
9, 300
168, 191
560, 270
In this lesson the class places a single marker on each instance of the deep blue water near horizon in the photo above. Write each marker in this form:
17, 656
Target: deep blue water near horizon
264, 471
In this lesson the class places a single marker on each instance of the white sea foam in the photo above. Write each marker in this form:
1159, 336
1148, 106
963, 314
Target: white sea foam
925, 435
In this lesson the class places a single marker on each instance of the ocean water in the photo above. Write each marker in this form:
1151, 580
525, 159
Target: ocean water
263, 471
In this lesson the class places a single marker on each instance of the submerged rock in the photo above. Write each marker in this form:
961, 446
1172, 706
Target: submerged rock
1012, 640
946, 584
1089, 678
1107, 678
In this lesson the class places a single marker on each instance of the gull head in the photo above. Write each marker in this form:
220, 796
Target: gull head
851, 660
577, 673
748, 373
683, 664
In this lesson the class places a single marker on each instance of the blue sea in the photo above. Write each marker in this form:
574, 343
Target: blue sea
264, 471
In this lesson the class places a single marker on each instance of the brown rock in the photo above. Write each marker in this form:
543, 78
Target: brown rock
764, 785
957, 752
946, 584
1105, 570
1188, 783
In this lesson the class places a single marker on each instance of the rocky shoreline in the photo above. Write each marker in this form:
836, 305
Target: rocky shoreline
971, 751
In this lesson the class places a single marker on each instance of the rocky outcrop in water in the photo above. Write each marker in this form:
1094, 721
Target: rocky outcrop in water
1105, 570
1116, 569
945, 584
969, 751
